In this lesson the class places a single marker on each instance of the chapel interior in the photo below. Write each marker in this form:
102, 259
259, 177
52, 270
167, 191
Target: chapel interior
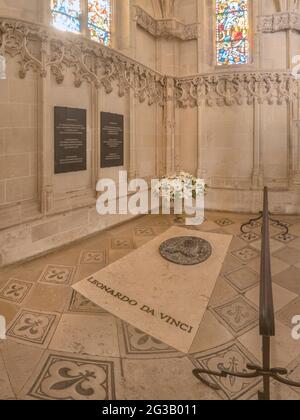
208, 89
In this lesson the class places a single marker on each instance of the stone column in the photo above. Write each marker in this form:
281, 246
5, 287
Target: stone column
201, 134
169, 127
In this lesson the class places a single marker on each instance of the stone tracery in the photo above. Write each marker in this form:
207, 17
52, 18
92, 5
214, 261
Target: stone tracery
41, 50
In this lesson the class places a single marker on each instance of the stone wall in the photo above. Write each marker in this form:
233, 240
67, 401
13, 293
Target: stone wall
39, 210
239, 145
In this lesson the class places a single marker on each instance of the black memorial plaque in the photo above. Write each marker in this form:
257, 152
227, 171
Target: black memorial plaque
112, 140
70, 140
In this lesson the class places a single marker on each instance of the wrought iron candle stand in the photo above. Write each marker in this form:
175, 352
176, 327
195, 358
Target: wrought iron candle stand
266, 319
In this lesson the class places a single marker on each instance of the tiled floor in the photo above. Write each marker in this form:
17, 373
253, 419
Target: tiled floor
61, 346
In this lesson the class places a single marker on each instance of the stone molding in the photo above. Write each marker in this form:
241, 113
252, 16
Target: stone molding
280, 22
166, 28
43, 49
238, 88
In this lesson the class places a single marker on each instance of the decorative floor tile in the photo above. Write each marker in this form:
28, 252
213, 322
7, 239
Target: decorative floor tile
57, 274
249, 237
135, 343
224, 222
74, 378
121, 244
80, 304
147, 364
285, 239
147, 231
289, 279
243, 279
287, 314
93, 257
245, 254
238, 315
15, 290
32, 327
234, 357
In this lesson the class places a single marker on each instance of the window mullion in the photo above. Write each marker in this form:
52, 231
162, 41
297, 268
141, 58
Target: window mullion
84, 18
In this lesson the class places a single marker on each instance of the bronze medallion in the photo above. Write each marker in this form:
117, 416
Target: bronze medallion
186, 250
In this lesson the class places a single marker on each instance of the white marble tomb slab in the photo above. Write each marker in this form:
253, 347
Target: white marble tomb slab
165, 300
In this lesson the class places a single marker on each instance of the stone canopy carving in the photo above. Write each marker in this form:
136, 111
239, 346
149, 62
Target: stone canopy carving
167, 27
41, 49
280, 22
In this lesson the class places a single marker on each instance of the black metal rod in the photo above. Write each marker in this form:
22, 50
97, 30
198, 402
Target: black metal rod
266, 316
266, 368
266, 320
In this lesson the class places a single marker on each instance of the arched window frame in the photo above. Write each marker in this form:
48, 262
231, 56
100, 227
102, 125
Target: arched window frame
250, 40
84, 27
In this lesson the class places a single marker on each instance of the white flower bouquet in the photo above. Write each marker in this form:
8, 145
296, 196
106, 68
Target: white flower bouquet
181, 186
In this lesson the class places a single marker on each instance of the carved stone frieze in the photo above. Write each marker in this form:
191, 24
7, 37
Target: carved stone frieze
167, 27
235, 89
280, 22
41, 49
44, 50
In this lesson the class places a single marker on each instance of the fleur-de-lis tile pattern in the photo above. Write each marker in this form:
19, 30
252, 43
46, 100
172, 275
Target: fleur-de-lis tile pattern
72, 378
245, 254
15, 290
57, 274
233, 311
224, 222
145, 231
249, 237
93, 257
121, 244
238, 314
32, 327
281, 237
233, 357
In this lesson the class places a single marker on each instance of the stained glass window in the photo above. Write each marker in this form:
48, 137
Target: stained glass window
232, 32
66, 14
99, 19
